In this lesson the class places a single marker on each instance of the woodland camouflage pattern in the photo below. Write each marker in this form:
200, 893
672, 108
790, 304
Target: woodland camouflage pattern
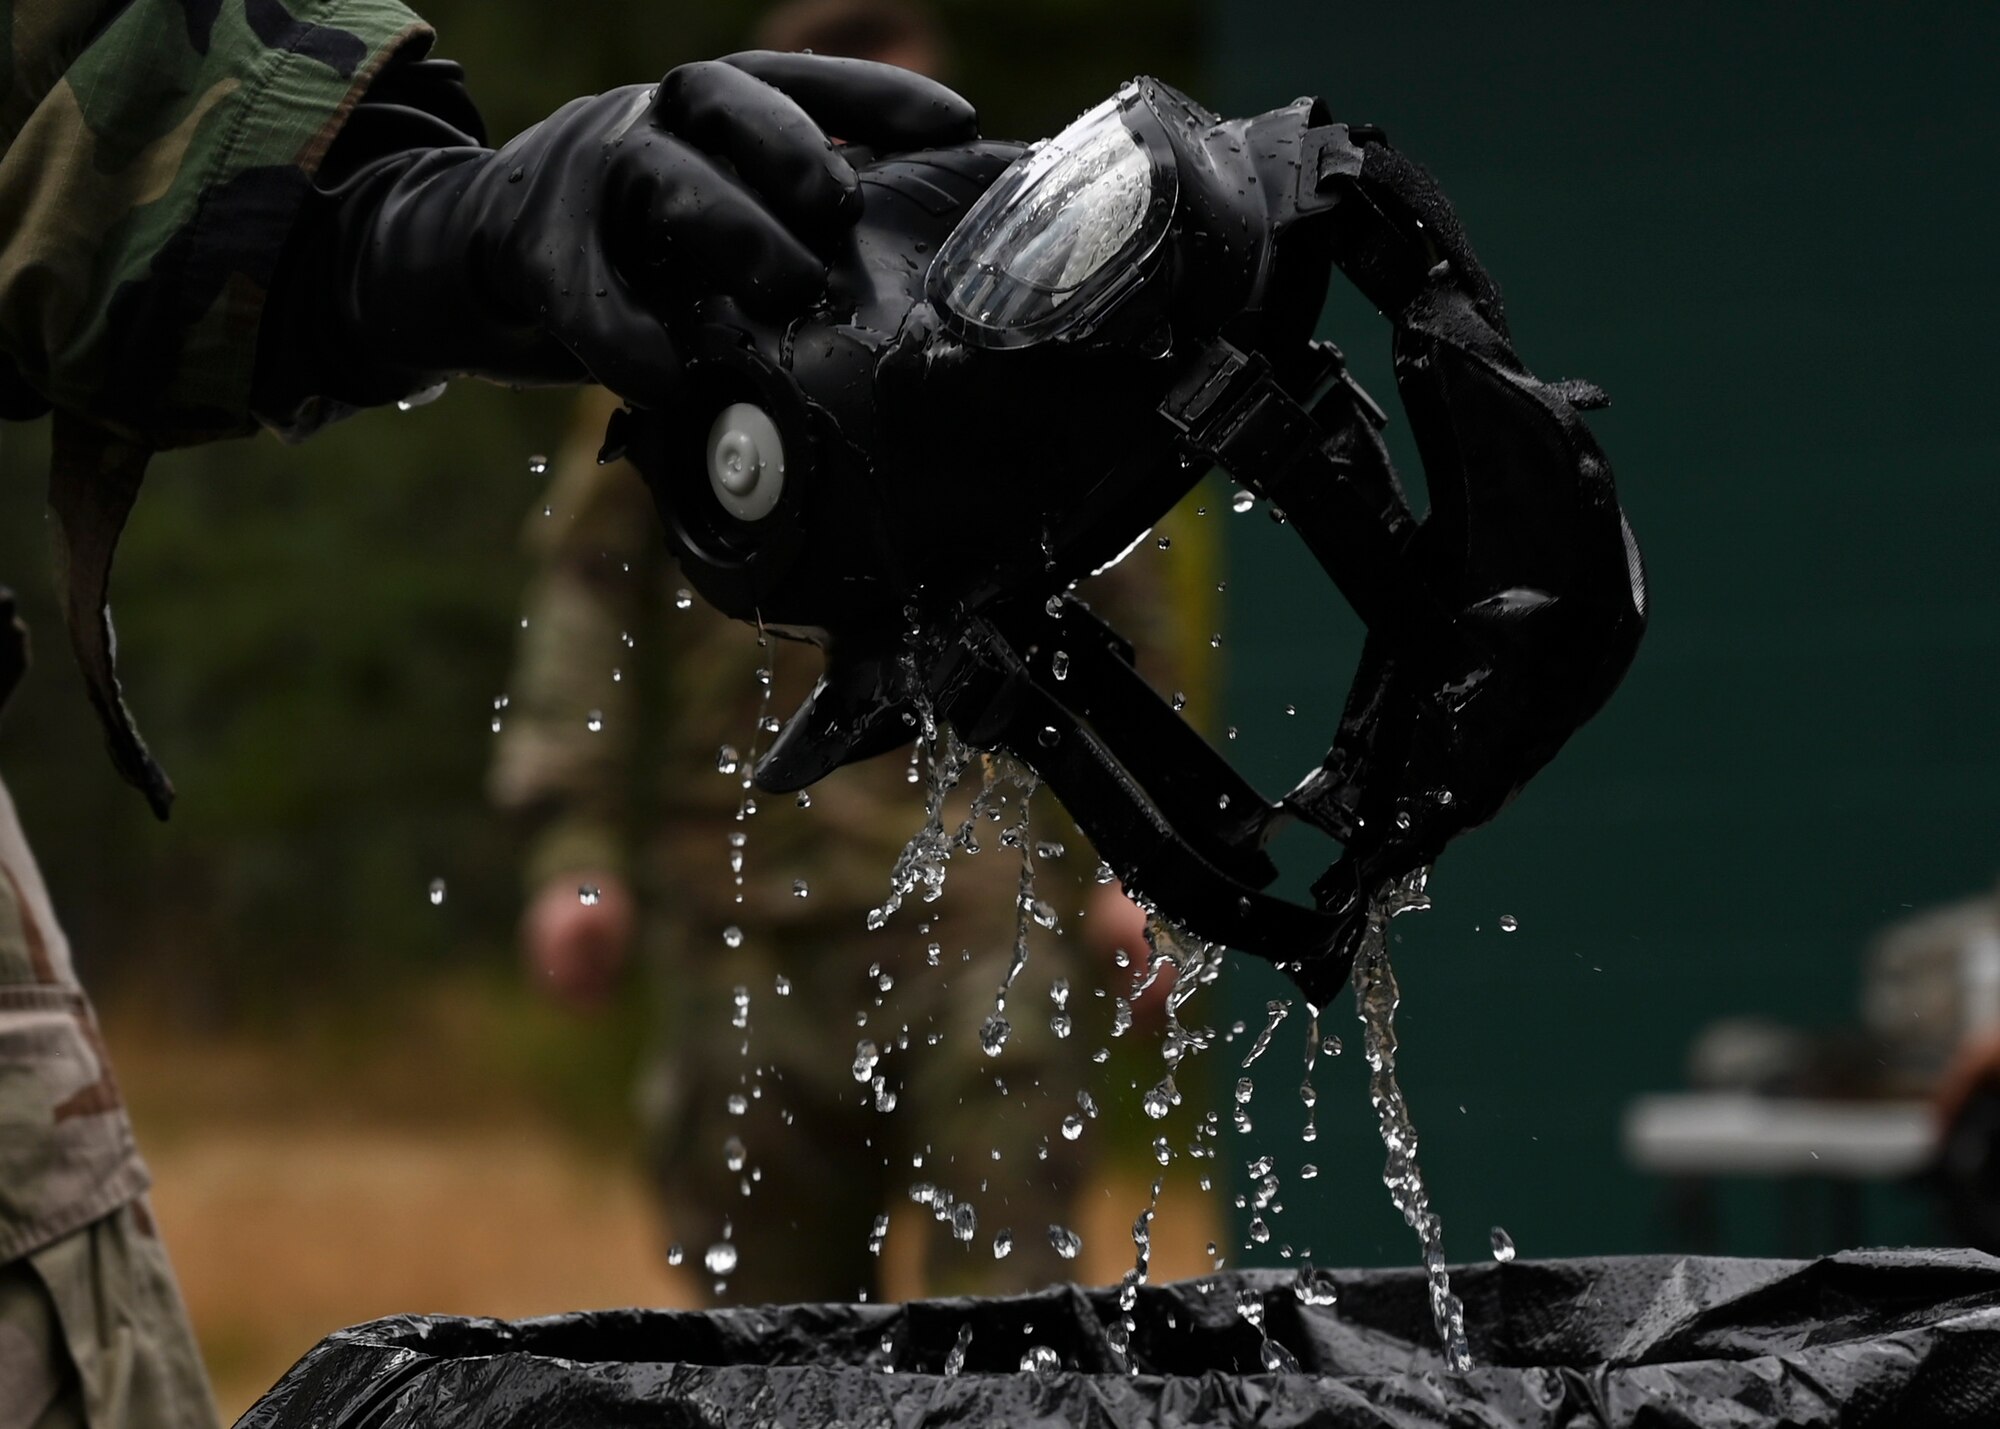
155, 152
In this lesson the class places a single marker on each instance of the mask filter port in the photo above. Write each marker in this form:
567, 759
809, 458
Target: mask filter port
746, 461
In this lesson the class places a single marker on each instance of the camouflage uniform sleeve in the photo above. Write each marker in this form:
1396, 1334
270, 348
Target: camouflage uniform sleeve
155, 154
569, 740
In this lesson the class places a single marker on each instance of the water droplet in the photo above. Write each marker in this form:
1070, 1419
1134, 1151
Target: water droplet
1259, 1232
732, 937
616, 674
782, 985
740, 1018
1059, 664
1330, 1045
1003, 1245
1279, 1360
1508, 922
589, 895
866, 1055
800, 889
1049, 849
437, 891
1215, 641
1161, 1099
675, 1254
1053, 607
1065, 1241
537, 464
720, 1258
1503, 1245
1040, 1360
1162, 1151
1072, 1127
1403, 820
964, 1222
1049, 737
595, 723
727, 760
1308, 1172
738, 1104
993, 1035
1291, 709
733, 1153
1166, 542
805, 800
1242, 501
954, 1361
496, 724
1060, 1025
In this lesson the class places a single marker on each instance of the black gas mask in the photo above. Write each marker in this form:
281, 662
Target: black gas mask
1027, 357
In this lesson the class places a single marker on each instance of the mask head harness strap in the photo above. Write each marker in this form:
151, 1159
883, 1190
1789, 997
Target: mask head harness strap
1498, 623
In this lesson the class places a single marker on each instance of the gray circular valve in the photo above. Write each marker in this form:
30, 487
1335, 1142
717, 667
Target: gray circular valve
746, 461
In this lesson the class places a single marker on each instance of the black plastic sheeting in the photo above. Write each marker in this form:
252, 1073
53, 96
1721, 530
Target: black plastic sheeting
1905, 1338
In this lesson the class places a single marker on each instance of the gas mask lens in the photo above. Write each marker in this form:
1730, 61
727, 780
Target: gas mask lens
1060, 232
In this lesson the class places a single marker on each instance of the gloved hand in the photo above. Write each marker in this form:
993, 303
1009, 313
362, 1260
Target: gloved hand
553, 258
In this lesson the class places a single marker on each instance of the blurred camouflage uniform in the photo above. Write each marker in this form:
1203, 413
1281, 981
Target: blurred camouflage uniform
624, 693
152, 155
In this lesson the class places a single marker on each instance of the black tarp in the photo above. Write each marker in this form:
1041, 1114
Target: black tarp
1902, 1338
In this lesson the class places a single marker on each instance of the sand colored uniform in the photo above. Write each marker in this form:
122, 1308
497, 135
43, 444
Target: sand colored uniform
92, 1328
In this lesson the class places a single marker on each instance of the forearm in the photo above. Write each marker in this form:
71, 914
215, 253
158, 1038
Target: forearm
157, 165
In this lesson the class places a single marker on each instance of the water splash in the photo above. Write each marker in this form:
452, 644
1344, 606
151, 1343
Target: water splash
1376, 997
921, 864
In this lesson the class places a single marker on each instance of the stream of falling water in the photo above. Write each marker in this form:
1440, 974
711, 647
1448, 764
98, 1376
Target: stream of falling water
1376, 996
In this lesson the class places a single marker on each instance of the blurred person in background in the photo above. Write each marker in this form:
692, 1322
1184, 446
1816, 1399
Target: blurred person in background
632, 718
222, 218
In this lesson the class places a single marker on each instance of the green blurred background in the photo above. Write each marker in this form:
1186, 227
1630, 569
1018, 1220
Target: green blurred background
1764, 229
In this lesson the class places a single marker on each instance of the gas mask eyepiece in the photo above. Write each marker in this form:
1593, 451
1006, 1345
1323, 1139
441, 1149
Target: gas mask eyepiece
1064, 232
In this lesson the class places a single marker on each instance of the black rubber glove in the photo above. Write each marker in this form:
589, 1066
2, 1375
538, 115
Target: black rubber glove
552, 259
